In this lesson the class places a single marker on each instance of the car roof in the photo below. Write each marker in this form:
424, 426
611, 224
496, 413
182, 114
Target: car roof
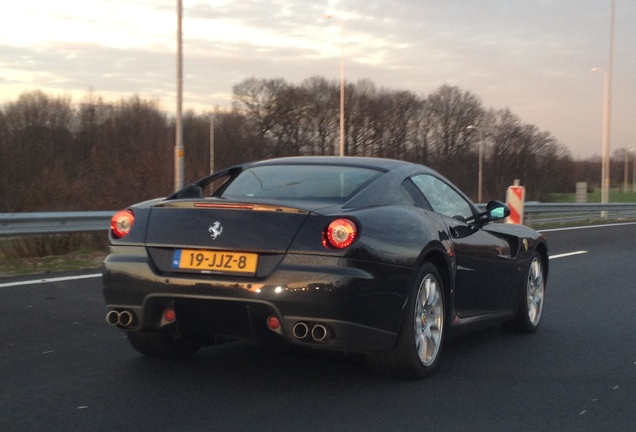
367, 162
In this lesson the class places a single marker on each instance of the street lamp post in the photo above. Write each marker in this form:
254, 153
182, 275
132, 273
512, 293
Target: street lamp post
626, 174
631, 150
481, 161
607, 108
633, 174
342, 87
178, 148
212, 118
605, 180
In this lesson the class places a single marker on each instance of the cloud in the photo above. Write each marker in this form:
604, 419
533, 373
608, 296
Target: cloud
532, 57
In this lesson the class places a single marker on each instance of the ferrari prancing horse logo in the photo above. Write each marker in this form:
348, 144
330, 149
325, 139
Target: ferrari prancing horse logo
215, 230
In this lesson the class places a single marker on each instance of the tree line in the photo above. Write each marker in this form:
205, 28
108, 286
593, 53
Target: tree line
57, 155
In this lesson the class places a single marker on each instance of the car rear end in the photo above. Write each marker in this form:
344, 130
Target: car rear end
257, 267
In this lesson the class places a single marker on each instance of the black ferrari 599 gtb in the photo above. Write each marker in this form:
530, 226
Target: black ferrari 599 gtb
372, 256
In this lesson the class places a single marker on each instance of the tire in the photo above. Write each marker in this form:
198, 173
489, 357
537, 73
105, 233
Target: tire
156, 345
530, 308
419, 344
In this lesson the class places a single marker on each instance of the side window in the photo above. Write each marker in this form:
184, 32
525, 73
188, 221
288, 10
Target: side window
443, 198
412, 193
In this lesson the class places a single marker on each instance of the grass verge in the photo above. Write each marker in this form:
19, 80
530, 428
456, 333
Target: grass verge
51, 253
51, 264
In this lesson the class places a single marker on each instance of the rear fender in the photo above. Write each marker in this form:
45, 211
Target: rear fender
444, 260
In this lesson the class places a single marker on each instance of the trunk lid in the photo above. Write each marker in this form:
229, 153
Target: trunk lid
224, 226
234, 238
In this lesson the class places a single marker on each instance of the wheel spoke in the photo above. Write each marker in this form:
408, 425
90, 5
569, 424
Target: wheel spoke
431, 293
422, 346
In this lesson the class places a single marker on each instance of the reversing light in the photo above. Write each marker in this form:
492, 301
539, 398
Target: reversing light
121, 223
340, 233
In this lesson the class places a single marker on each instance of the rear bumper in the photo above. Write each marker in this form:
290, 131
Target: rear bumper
358, 303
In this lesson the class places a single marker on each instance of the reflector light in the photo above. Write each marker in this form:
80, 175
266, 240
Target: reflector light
169, 315
341, 233
273, 323
121, 223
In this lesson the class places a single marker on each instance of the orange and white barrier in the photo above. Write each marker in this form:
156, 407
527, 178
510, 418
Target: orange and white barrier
515, 199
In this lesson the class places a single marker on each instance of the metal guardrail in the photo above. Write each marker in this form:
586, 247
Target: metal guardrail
13, 224
537, 214
53, 222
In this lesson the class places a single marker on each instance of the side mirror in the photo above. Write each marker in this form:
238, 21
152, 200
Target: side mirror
496, 210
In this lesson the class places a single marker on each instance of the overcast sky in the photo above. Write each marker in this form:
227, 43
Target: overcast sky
531, 56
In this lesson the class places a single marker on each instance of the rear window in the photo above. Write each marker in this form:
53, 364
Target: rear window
303, 182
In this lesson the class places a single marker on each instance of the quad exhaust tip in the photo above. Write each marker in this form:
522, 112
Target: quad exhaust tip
319, 333
123, 318
300, 330
312, 332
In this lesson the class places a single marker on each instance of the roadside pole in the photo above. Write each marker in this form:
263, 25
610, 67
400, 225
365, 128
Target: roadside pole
515, 199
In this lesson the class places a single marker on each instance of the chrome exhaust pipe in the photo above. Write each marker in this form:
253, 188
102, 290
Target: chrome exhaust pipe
300, 330
120, 318
125, 318
112, 317
319, 333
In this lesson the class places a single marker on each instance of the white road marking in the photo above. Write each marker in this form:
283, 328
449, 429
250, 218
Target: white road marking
49, 280
587, 227
563, 255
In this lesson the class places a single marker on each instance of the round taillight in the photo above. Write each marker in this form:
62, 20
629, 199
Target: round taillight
273, 323
169, 315
121, 223
340, 233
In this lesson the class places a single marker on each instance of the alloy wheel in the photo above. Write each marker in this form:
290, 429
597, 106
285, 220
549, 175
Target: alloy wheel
429, 320
535, 292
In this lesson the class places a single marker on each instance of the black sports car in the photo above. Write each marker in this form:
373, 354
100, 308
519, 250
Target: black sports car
373, 256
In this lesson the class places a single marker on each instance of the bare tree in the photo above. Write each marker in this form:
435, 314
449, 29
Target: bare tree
521, 151
233, 140
321, 116
363, 123
403, 117
36, 138
266, 103
104, 155
452, 111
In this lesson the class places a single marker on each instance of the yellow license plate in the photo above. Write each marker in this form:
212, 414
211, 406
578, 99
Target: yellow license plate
225, 262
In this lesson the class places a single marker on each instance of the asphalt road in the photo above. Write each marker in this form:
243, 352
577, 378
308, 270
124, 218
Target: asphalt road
63, 368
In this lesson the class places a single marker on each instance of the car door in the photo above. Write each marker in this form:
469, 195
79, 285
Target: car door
483, 259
